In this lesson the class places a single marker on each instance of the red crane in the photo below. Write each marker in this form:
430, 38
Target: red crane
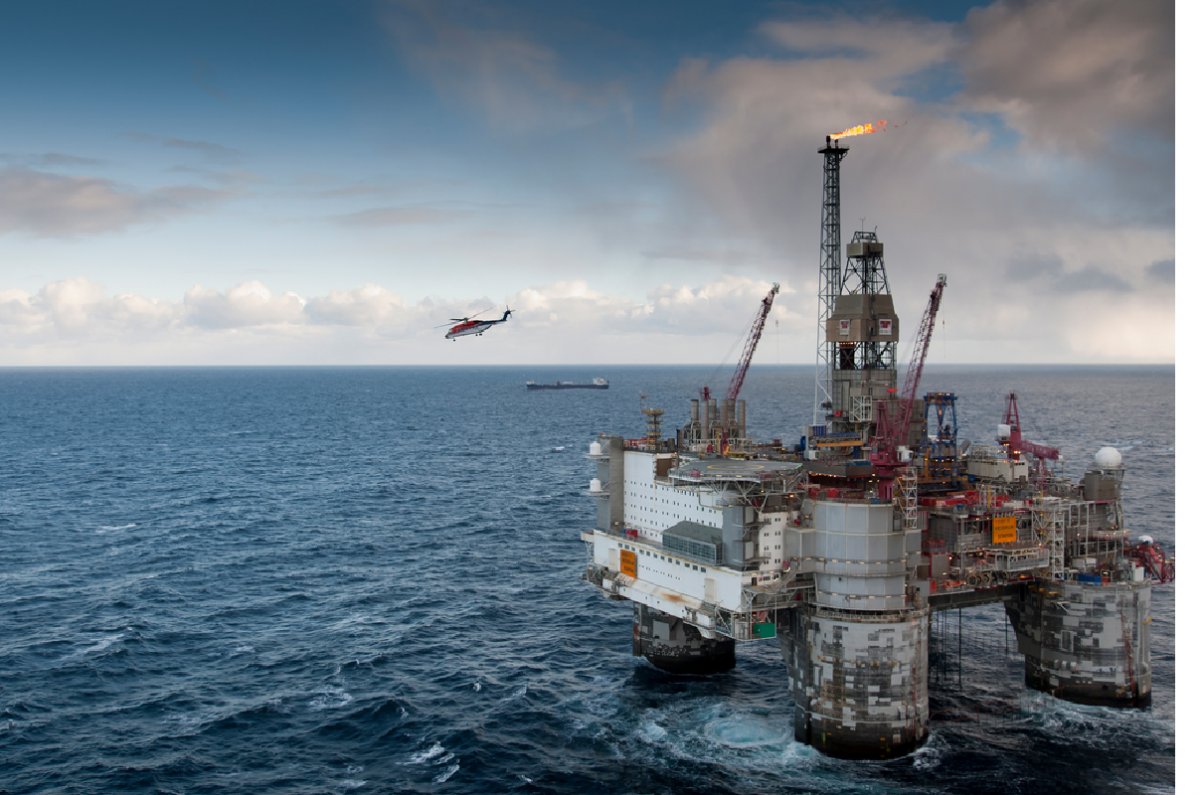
1017, 445
890, 430
739, 375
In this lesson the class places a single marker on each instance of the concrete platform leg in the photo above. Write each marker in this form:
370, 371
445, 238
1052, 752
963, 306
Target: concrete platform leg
1089, 644
860, 683
673, 645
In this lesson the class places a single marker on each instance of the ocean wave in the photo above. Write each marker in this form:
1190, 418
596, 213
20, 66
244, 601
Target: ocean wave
330, 697
97, 647
421, 757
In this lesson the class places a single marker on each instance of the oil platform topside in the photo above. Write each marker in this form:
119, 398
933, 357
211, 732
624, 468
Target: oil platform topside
843, 546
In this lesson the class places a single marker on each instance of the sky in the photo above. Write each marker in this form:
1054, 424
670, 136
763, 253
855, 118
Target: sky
323, 182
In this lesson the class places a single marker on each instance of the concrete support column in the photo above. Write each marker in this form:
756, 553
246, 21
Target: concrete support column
673, 645
1085, 643
860, 683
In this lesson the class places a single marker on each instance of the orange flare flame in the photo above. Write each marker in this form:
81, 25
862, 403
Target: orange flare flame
862, 129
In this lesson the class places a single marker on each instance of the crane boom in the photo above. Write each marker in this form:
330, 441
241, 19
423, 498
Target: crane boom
739, 375
912, 379
889, 432
1018, 445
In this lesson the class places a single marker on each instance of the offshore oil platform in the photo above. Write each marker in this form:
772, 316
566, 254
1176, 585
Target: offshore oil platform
844, 546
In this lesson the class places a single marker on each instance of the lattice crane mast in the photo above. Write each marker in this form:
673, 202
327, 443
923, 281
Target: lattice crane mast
1017, 445
739, 375
889, 430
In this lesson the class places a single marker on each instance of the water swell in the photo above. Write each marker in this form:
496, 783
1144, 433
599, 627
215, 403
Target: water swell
337, 581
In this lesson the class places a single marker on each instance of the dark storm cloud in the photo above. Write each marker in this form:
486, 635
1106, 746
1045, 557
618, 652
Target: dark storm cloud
1033, 266
1067, 74
49, 205
1048, 272
1091, 278
1162, 271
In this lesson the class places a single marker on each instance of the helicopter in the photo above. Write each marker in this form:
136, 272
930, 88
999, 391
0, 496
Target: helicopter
466, 326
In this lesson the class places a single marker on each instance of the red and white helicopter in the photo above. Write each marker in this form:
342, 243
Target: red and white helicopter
466, 326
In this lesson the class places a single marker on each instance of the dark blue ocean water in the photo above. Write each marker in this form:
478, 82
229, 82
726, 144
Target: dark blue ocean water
311, 580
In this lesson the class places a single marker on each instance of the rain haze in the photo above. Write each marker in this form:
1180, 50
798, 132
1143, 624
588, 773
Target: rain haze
328, 182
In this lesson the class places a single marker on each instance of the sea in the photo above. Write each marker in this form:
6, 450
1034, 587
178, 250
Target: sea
367, 579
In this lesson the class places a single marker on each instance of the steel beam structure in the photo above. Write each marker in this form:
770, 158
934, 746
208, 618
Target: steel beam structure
830, 278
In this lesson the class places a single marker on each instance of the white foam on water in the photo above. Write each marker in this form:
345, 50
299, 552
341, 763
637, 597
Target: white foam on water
518, 693
114, 527
244, 650
559, 449
741, 732
420, 757
350, 784
442, 779
352, 769
445, 759
929, 756
100, 645
524, 779
651, 731
477, 687
330, 698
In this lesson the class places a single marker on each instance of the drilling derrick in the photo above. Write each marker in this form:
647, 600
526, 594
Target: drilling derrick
864, 331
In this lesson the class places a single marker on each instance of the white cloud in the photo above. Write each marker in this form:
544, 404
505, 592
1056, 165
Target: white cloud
19, 310
77, 307
71, 321
247, 304
369, 305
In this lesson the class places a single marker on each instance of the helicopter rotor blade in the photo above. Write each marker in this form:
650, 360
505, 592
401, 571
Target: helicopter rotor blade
477, 314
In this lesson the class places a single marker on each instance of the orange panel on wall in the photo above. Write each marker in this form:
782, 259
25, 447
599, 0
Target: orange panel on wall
629, 563
1004, 529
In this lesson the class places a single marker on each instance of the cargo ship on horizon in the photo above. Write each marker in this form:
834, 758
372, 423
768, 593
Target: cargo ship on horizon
597, 383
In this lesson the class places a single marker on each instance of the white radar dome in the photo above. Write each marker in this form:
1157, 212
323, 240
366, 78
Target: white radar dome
1108, 458
594, 448
595, 485
1145, 540
1003, 431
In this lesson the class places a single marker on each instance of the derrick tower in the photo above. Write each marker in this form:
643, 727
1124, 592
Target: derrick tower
857, 324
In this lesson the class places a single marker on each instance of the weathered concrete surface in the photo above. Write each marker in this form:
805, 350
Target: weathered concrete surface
860, 683
1085, 643
673, 645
